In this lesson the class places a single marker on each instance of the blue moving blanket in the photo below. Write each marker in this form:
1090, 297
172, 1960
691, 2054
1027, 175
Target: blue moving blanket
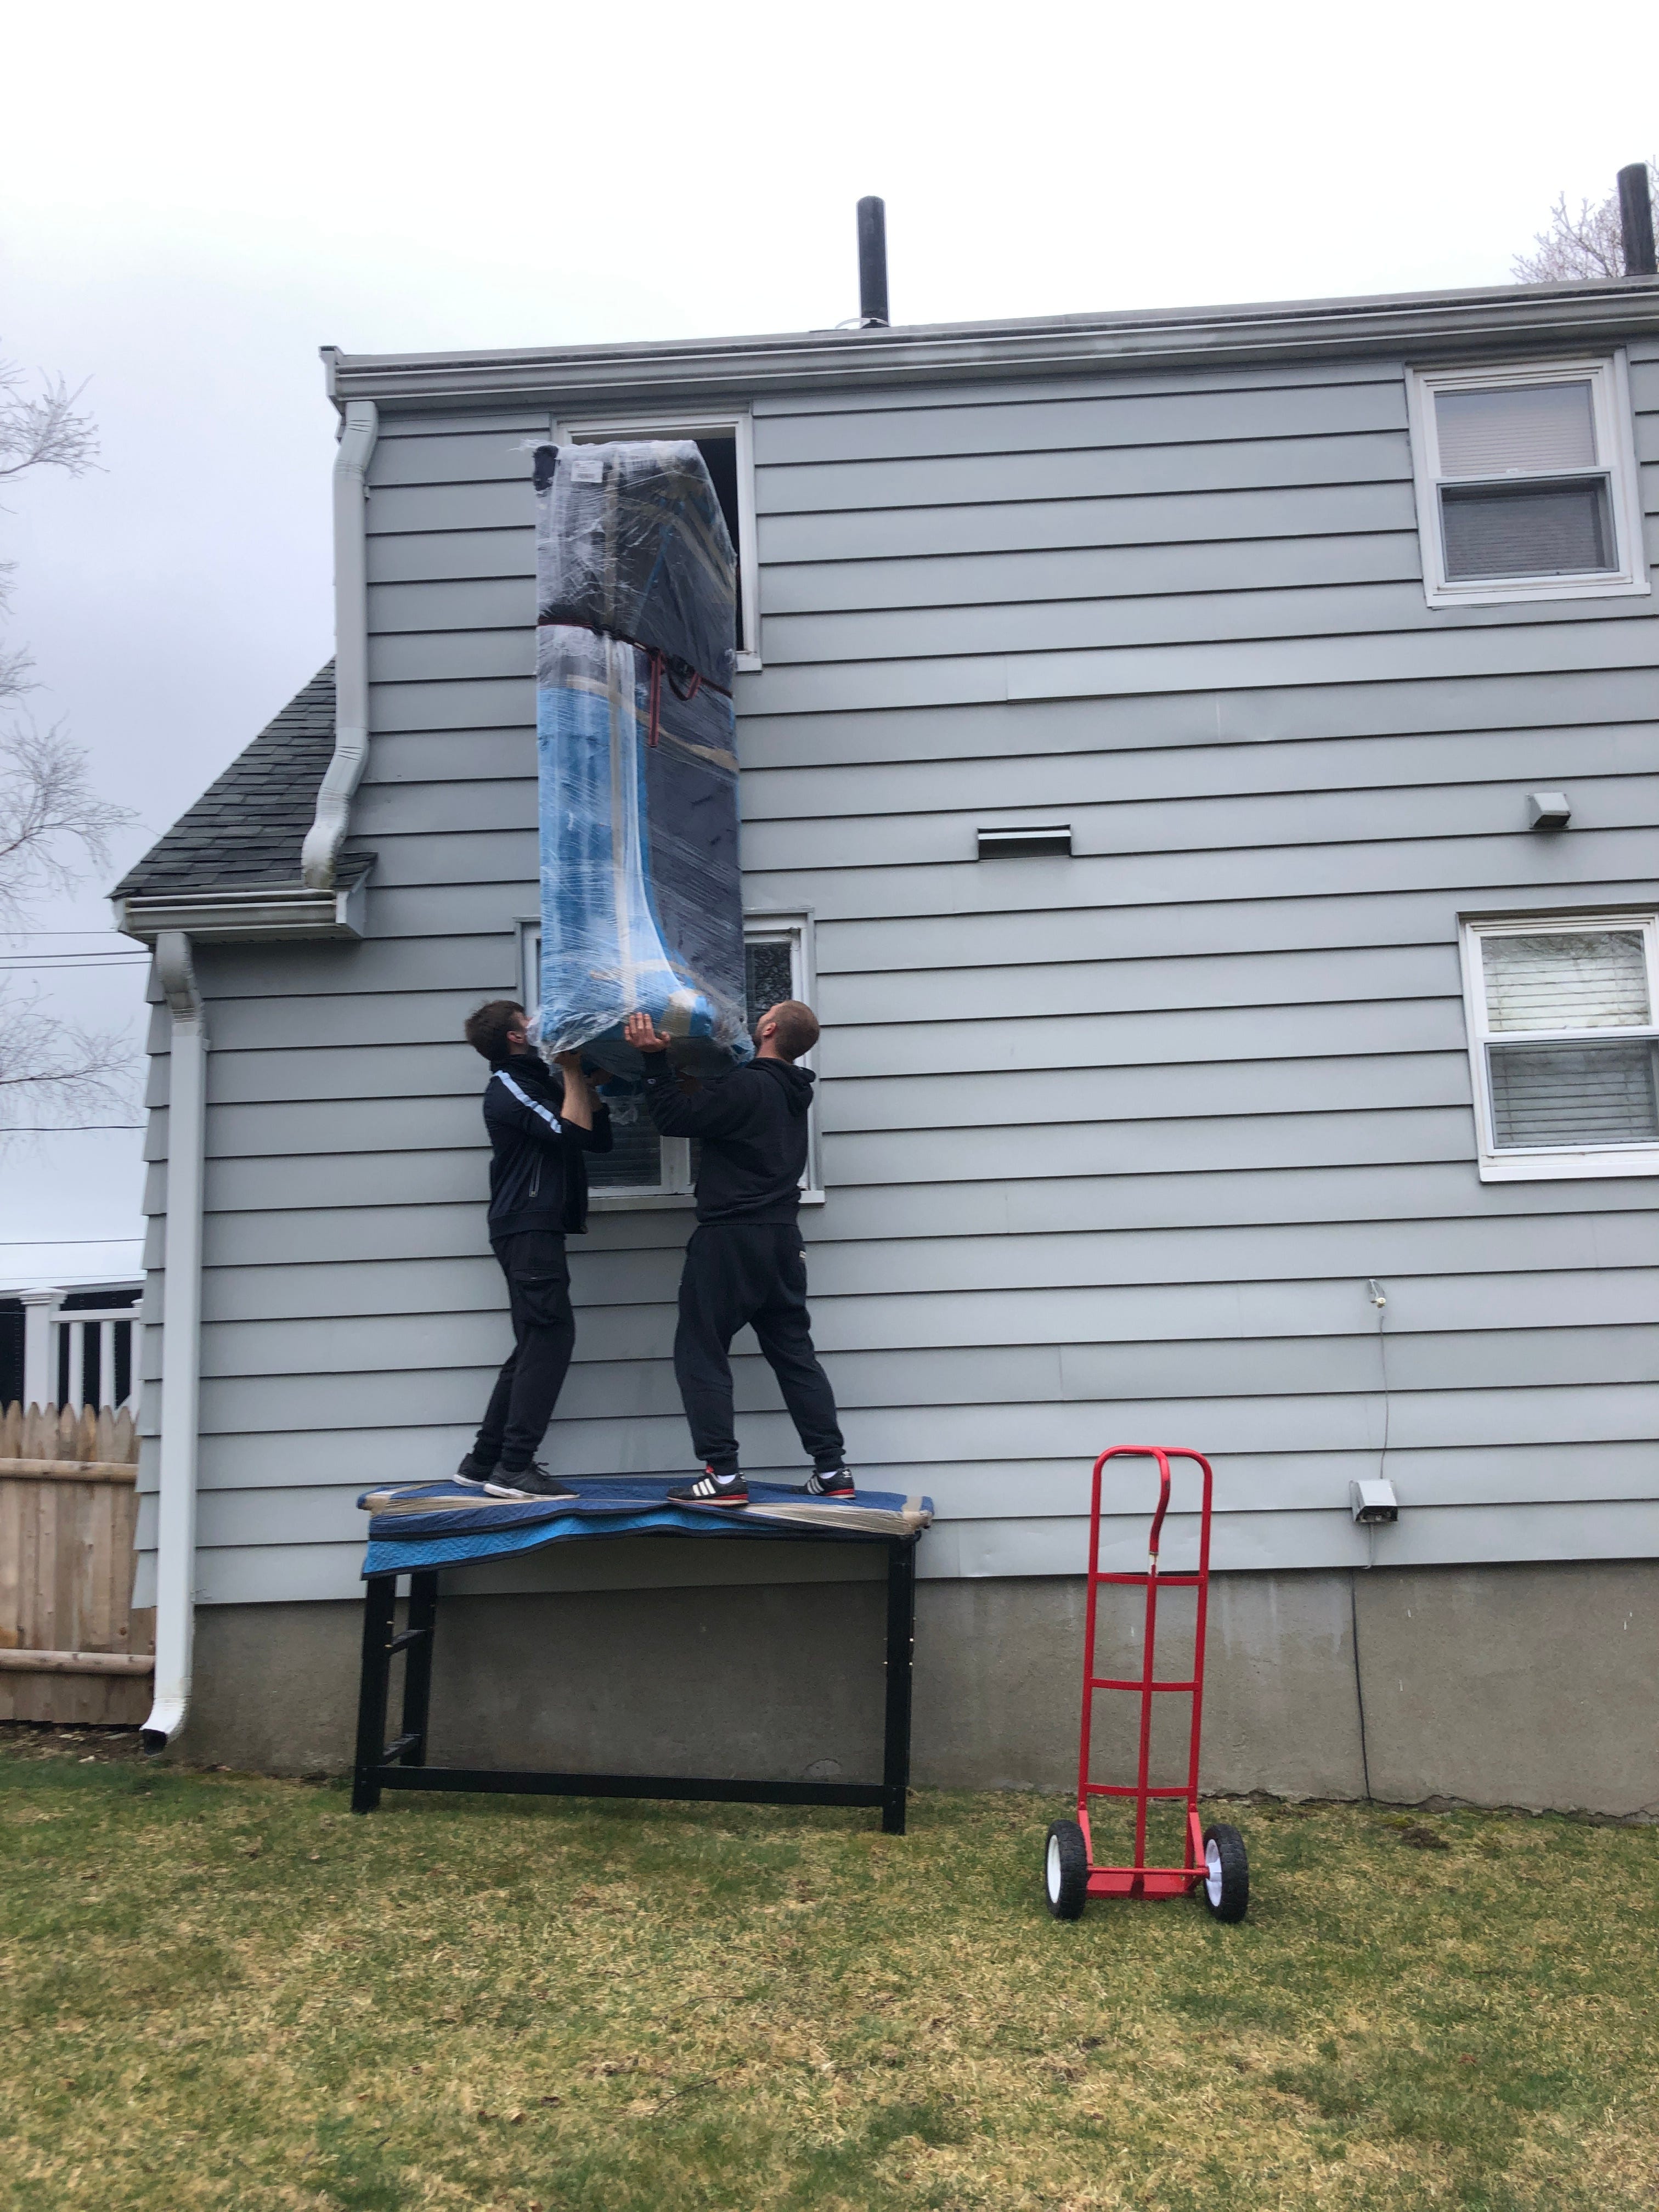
440, 1524
642, 898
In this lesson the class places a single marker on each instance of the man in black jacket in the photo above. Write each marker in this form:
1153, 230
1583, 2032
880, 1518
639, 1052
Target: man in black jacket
540, 1130
745, 1261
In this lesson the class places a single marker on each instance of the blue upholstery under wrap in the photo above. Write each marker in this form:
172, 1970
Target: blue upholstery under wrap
442, 1525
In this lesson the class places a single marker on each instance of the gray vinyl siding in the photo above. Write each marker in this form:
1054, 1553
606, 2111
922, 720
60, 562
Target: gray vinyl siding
1111, 1145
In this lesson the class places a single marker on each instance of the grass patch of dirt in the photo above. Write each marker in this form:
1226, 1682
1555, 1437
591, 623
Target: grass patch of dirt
223, 1990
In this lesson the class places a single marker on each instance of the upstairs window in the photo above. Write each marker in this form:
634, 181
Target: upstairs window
726, 444
1526, 483
1564, 1045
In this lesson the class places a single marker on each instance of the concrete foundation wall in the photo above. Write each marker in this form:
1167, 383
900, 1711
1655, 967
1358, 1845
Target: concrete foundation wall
1510, 1685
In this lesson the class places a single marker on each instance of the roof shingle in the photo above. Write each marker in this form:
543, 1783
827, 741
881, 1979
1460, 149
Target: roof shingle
245, 830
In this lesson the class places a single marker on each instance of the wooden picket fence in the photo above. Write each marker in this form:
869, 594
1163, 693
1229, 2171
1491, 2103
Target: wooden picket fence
71, 1648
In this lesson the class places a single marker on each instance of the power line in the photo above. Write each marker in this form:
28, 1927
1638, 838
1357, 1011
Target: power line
59, 1129
20, 1242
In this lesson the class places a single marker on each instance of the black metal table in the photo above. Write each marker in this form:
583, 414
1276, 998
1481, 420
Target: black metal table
402, 1764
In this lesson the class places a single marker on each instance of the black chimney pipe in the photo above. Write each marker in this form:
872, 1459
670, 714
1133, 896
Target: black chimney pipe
1635, 221
872, 262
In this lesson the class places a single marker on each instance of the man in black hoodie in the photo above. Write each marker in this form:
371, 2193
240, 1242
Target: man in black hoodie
540, 1130
745, 1261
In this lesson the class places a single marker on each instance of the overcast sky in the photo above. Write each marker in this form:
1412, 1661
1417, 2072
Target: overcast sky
193, 198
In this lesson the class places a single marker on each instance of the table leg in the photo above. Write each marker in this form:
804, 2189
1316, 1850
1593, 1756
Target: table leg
901, 1649
379, 1605
419, 1631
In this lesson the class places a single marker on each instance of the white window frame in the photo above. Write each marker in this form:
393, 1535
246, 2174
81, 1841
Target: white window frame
589, 429
794, 927
1608, 375
1564, 1162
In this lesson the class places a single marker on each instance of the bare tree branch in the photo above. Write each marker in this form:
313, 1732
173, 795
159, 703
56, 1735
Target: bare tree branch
43, 429
47, 808
54, 1071
53, 825
1576, 248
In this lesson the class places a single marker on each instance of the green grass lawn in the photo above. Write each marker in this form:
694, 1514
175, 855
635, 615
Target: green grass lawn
223, 1990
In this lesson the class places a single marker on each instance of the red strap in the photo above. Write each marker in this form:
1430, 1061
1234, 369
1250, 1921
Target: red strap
659, 667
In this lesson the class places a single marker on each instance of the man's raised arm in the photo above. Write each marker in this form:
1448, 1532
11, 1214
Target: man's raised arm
676, 1112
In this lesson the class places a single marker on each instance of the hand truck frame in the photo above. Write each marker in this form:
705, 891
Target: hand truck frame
1214, 1862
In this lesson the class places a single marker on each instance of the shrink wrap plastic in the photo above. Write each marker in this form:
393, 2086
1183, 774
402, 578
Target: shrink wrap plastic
641, 900
630, 540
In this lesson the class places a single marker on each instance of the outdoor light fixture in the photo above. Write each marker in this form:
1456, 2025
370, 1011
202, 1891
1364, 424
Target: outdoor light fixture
1025, 837
1549, 808
1373, 1503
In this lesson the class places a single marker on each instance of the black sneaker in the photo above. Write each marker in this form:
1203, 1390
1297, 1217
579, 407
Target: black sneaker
532, 1481
474, 1472
830, 1482
712, 1489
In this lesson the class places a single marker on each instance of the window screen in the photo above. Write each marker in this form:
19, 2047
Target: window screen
1580, 1088
1601, 1094
1528, 530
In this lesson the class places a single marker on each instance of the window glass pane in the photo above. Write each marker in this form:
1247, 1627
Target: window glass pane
1573, 1094
1535, 427
1528, 530
1566, 979
769, 974
635, 1160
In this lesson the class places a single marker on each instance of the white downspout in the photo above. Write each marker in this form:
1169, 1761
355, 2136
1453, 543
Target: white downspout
327, 833
181, 1345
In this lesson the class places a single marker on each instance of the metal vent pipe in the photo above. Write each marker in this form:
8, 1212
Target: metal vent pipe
872, 264
1635, 221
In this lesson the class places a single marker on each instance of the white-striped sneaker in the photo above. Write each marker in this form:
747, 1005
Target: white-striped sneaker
712, 1489
830, 1482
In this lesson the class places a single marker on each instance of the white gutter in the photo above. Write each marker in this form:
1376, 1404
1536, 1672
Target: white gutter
181, 1345
241, 917
327, 833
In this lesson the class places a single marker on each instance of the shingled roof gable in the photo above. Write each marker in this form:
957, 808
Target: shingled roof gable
245, 830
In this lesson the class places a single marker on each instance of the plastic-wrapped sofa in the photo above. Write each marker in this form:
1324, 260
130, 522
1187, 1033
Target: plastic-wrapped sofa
636, 625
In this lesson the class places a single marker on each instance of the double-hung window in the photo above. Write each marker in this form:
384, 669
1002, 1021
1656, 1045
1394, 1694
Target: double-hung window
1527, 485
642, 1169
1564, 1045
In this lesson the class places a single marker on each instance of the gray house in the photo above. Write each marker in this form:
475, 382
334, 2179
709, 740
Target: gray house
1202, 765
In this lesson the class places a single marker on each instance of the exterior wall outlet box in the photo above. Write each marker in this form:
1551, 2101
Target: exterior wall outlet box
1373, 1502
1549, 808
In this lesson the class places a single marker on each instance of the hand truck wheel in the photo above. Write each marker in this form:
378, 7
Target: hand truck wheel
1065, 1871
1226, 1885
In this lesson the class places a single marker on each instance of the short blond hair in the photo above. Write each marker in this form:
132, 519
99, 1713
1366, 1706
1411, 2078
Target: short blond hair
796, 1029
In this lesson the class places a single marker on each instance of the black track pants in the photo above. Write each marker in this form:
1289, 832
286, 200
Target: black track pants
543, 1337
754, 1272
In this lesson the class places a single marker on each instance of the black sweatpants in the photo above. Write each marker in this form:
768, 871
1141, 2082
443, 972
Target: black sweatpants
754, 1271
543, 1337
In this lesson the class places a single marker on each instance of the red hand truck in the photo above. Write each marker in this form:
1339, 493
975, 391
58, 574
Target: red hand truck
1214, 1860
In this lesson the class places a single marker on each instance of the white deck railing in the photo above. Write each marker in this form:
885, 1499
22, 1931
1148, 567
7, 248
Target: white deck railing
115, 1330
